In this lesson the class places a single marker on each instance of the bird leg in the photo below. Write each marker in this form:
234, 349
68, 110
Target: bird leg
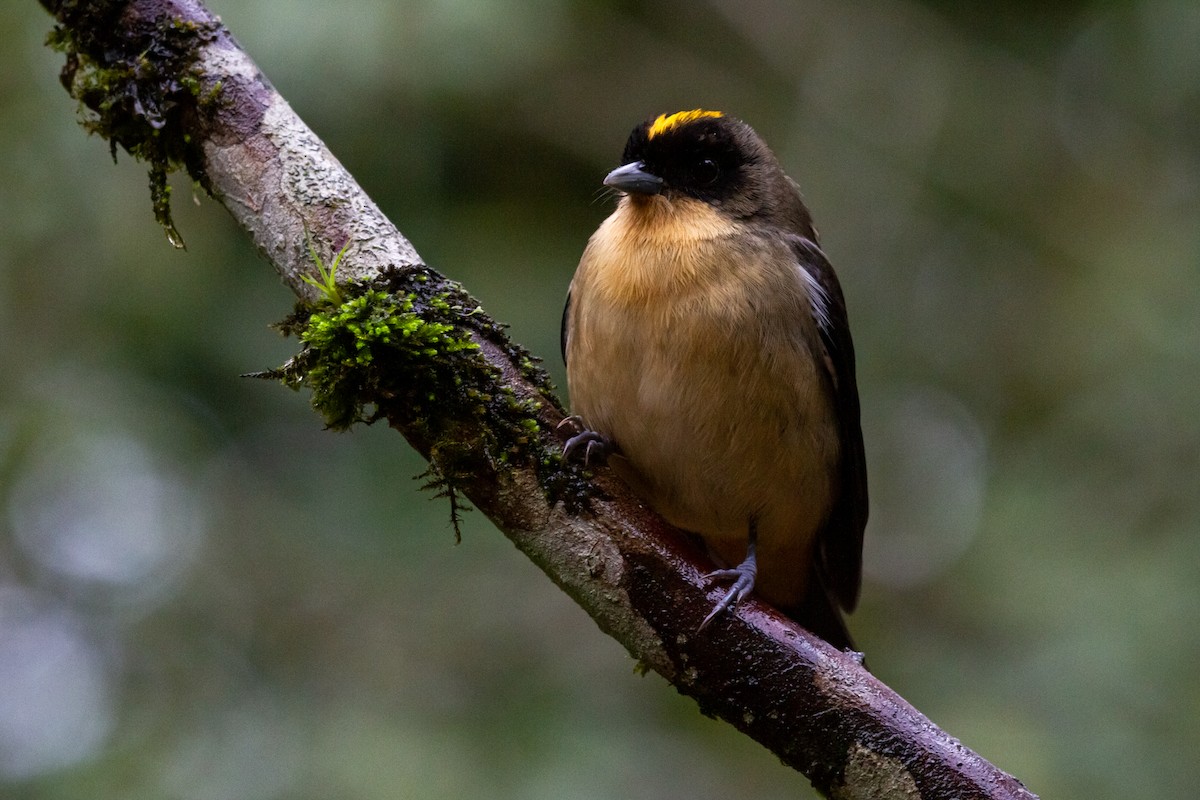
591, 444
742, 575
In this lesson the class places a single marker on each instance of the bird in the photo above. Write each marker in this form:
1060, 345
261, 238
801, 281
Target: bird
710, 365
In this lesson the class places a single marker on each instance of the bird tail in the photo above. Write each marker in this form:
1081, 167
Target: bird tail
820, 614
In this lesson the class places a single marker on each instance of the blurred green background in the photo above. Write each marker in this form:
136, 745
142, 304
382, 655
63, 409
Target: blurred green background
205, 596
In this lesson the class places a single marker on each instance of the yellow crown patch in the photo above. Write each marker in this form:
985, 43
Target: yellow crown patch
666, 122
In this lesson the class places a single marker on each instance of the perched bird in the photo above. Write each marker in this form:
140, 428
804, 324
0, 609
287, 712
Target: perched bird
709, 360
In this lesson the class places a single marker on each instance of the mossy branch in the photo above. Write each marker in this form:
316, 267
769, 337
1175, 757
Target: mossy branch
391, 339
406, 346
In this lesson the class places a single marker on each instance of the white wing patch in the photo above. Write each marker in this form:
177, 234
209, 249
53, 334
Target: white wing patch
817, 296
818, 300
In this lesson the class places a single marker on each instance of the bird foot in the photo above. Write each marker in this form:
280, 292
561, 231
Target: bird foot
743, 584
584, 444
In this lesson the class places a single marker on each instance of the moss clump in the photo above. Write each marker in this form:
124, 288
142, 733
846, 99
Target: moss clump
375, 347
406, 347
136, 81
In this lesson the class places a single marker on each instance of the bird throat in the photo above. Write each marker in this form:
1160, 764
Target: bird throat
655, 246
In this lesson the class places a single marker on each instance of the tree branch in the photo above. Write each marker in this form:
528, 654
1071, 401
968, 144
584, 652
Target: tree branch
167, 82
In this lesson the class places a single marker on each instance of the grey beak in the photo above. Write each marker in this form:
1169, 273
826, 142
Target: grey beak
634, 178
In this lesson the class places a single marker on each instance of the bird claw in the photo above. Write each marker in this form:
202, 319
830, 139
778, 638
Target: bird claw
592, 444
574, 422
743, 584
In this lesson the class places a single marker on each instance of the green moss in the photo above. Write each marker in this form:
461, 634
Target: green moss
406, 347
326, 280
359, 348
136, 80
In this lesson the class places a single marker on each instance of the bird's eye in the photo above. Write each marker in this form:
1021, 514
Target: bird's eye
707, 172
